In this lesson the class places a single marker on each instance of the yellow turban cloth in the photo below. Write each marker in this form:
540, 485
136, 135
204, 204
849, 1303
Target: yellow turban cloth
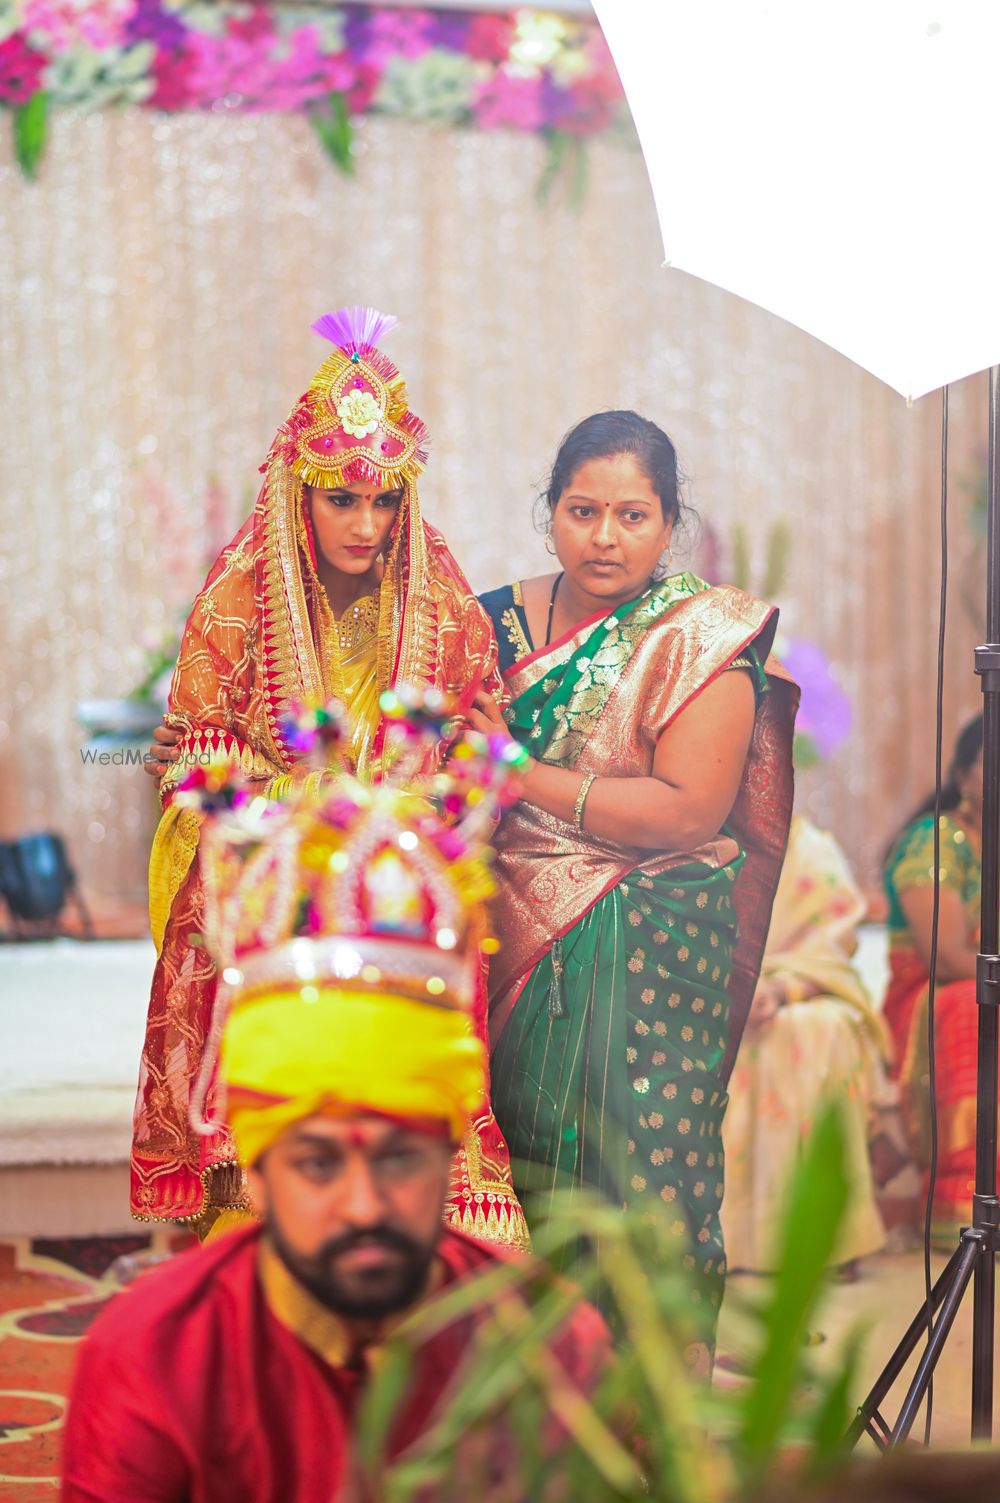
284, 1058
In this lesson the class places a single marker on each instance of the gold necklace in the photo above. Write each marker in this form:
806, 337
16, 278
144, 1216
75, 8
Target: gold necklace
358, 625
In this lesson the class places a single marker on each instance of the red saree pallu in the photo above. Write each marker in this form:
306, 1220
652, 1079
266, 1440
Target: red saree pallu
907, 984
625, 976
956, 1030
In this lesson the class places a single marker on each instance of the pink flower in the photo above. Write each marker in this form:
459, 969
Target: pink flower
68, 23
254, 28
489, 38
174, 73
397, 33
602, 64
362, 89
241, 73
256, 71
509, 100
20, 70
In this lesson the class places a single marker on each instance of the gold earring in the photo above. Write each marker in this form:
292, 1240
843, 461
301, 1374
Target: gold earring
550, 546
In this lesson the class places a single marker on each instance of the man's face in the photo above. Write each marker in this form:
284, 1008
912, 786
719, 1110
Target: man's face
353, 1206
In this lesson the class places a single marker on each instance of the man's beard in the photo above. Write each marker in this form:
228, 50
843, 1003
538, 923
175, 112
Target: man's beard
367, 1293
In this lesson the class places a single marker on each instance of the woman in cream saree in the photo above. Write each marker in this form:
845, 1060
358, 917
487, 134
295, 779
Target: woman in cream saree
813, 1037
262, 634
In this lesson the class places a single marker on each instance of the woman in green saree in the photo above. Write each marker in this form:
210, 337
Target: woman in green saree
637, 873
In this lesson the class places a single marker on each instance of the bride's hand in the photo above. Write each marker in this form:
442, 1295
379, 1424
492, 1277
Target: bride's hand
162, 752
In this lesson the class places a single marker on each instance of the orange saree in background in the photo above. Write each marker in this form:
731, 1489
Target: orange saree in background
261, 633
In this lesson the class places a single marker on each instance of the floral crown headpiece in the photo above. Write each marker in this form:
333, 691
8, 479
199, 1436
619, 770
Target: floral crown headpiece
354, 423
346, 885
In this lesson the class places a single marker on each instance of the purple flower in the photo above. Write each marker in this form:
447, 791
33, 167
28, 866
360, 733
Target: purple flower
393, 33
357, 27
450, 29
150, 22
825, 711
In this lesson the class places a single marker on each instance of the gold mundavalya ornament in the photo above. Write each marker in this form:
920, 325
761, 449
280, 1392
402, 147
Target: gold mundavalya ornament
348, 924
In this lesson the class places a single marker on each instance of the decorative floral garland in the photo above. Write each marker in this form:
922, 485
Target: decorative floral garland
525, 70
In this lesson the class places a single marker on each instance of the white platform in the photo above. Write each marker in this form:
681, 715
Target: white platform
71, 1017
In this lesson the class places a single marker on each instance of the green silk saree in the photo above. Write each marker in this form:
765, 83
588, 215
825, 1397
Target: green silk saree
624, 976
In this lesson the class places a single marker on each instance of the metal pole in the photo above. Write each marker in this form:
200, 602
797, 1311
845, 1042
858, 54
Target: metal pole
986, 1208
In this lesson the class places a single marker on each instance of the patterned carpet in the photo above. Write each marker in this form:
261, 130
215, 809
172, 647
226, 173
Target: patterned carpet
50, 1291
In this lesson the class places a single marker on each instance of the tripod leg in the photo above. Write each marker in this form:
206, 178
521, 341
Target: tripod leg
983, 1307
868, 1417
970, 1253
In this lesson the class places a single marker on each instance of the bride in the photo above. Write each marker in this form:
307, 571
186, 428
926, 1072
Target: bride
335, 587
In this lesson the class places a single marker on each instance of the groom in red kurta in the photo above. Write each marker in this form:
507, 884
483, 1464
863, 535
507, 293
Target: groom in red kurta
220, 1379
233, 1374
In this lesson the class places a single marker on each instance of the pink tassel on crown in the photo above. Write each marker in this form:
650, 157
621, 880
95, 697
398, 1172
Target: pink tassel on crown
354, 329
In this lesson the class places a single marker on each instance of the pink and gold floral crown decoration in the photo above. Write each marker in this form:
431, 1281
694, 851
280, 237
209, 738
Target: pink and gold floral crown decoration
354, 423
349, 885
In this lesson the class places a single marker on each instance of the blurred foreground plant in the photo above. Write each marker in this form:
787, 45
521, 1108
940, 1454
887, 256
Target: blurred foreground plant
515, 1428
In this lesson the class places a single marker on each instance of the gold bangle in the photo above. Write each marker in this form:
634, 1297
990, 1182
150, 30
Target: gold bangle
581, 800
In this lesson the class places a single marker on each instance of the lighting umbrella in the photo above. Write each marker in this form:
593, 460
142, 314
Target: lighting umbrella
832, 162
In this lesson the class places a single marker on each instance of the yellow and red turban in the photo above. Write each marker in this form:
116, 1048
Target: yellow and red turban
285, 1057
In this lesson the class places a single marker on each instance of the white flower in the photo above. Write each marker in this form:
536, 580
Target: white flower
359, 413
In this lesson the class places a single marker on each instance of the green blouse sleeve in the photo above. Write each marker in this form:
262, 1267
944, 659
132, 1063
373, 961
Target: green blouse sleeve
912, 862
749, 658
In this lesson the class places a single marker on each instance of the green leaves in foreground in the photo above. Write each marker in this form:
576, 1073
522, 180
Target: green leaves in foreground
814, 1214
645, 1429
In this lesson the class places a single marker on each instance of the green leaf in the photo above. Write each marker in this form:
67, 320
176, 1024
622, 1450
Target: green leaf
805, 752
381, 1404
807, 1244
579, 174
827, 1433
31, 122
779, 543
559, 144
739, 568
333, 127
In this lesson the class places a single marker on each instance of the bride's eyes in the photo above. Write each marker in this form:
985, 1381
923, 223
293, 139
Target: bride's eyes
388, 501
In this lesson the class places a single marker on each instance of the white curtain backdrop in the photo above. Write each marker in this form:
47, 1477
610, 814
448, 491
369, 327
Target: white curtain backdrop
156, 290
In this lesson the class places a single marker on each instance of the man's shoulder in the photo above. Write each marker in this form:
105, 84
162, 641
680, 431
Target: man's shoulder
191, 1282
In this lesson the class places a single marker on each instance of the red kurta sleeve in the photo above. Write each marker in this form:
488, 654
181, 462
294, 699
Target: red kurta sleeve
117, 1448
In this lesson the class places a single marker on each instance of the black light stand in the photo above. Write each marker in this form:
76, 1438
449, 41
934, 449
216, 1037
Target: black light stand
974, 1257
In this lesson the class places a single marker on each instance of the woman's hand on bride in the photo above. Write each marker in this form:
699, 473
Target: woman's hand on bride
485, 715
163, 750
